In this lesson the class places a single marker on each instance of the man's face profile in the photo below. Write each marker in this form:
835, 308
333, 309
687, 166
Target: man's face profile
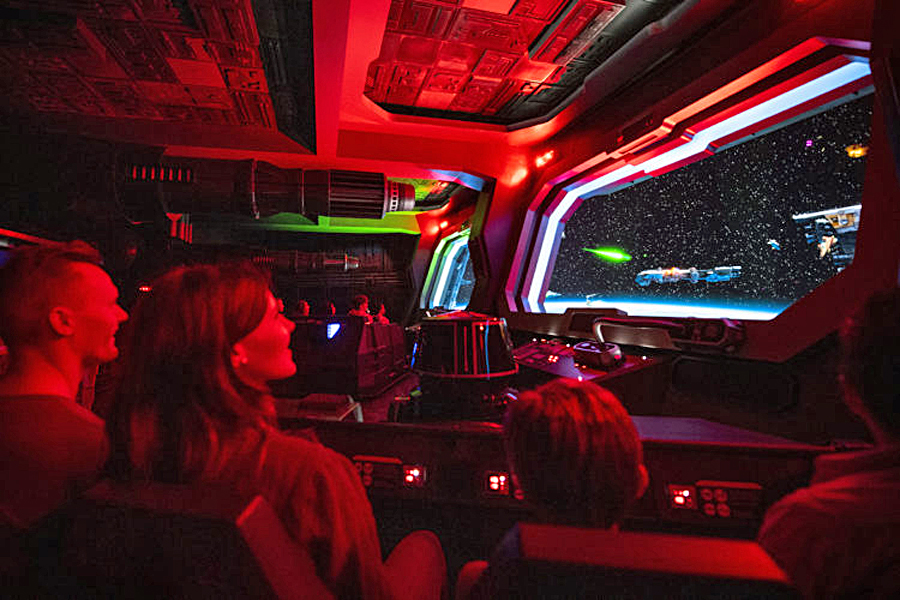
92, 299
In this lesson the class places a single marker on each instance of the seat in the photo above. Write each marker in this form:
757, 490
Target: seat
14, 564
166, 541
568, 562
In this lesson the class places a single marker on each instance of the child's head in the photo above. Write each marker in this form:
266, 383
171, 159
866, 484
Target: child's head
575, 453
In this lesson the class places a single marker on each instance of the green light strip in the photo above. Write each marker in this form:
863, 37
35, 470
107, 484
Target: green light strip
393, 222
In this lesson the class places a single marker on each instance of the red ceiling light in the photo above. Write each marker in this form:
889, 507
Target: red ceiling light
444, 224
544, 158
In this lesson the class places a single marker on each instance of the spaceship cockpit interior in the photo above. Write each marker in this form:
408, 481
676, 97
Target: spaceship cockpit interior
679, 200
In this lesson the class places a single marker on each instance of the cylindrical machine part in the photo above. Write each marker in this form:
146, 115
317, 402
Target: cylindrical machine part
259, 189
303, 262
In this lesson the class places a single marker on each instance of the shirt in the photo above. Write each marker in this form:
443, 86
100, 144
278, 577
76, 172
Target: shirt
51, 449
319, 497
839, 536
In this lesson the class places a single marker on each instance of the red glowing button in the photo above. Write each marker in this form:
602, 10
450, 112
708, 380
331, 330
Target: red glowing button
497, 482
414, 476
682, 496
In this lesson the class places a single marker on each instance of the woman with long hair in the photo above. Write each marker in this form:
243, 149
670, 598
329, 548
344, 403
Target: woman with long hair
193, 407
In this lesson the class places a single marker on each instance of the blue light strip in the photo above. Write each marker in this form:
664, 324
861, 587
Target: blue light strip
446, 263
700, 143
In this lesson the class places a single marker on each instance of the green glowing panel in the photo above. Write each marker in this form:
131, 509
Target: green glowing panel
393, 222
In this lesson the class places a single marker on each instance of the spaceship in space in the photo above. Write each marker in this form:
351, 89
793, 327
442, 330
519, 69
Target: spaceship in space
691, 275
832, 232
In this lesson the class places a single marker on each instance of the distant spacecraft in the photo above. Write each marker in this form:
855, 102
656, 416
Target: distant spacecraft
692, 275
856, 150
774, 244
826, 245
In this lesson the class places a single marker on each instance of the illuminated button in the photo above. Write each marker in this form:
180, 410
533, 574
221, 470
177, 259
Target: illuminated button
721, 495
723, 510
706, 494
414, 476
682, 496
709, 509
497, 483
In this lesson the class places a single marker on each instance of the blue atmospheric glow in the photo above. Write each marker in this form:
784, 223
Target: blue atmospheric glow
455, 244
699, 143
641, 308
332, 329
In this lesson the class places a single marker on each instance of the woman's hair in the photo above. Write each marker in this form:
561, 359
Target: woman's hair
870, 358
575, 453
177, 391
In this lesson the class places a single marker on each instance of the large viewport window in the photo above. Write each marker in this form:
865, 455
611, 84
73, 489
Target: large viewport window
741, 234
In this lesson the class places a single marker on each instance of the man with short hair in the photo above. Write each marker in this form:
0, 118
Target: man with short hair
360, 307
840, 537
59, 314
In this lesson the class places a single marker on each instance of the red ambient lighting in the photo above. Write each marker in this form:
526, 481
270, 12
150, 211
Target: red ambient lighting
544, 158
497, 482
414, 476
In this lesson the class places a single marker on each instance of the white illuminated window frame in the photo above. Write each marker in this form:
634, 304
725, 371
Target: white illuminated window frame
441, 266
701, 142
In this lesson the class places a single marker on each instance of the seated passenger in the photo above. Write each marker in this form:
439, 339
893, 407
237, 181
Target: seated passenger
193, 407
58, 317
360, 307
840, 537
577, 458
380, 317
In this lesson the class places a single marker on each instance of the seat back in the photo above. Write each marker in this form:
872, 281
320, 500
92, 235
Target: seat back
164, 541
567, 562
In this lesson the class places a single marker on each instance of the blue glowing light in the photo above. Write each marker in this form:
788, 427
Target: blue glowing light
332, 329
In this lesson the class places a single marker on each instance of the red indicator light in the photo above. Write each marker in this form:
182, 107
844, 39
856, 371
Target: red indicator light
413, 476
144, 288
497, 482
681, 496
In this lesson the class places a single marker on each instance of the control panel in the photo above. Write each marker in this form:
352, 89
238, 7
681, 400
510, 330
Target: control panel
717, 499
564, 359
639, 380
704, 476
